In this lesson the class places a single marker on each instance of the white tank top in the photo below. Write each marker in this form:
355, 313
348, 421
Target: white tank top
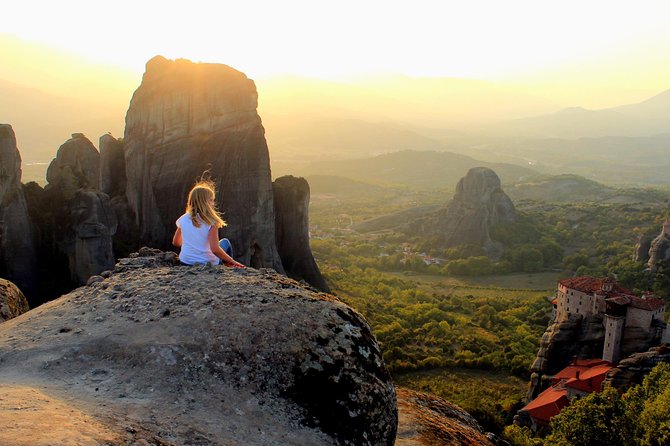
195, 242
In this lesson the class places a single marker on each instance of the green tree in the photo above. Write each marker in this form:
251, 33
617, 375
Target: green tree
599, 419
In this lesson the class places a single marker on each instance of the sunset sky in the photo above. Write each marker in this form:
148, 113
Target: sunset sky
619, 43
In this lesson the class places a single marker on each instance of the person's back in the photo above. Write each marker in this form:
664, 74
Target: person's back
195, 247
197, 230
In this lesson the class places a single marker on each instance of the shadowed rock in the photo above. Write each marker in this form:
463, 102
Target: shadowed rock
112, 166
81, 222
291, 202
186, 118
207, 356
478, 204
642, 248
12, 301
659, 249
632, 370
88, 239
17, 249
76, 166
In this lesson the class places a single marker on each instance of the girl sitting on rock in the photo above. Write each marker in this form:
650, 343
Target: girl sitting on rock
198, 230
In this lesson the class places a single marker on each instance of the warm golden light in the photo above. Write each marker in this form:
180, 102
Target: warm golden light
477, 39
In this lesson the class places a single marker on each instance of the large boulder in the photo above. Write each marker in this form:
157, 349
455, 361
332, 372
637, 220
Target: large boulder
161, 354
426, 419
17, 249
186, 118
291, 202
12, 301
478, 204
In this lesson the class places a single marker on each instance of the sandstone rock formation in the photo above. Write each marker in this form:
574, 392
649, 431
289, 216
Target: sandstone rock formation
17, 250
659, 250
642, 248
88, 240
167, 355
76, 166
564, 340
291, 203
12, 301
186, 118
633, 369
82, 219
478, 204
429, 420
112, 166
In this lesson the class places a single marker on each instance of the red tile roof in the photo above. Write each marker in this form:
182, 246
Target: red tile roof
589, 285
547, 404
619, 295
584, 386
585, 375
649, 303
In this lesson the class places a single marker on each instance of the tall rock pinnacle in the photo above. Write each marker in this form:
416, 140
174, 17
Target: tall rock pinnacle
186, 118
478, 204
17, 250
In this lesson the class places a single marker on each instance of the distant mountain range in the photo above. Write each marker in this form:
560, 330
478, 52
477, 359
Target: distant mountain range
645, 118
440, 171
415, 169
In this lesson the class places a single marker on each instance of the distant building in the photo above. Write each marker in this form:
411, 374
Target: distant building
621, 309
581, 377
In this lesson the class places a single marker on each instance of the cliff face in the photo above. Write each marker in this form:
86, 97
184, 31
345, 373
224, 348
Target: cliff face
291, 203
112, 166
659, 249
17, 250
186, 118
478, 204
563, 340
642, 248
202, 355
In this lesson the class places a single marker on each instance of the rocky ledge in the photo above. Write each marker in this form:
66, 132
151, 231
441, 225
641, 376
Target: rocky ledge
157, 354
429, 420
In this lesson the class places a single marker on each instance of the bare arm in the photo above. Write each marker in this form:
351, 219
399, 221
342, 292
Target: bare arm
213, 238
176, 239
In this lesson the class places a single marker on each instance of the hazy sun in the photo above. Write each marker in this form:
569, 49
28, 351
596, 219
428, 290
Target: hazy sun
480, 39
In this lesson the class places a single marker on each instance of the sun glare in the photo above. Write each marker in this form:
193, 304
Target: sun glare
478, 39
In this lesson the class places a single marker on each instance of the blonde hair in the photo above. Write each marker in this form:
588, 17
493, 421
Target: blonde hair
200, 205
